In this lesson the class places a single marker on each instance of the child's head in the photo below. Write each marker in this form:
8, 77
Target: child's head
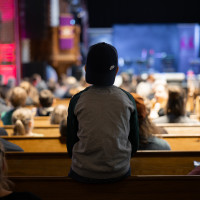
46, 98
18, 97
102, 64
22, 119
59, 113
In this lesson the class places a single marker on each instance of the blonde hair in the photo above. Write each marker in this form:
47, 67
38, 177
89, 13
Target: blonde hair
18, 97
26, 86
59, 113
31, 91
20, 119
4, 182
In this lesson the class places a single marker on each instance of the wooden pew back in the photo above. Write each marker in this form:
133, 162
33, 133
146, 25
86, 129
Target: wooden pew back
41, 121
143, 163
182, 142
190, 142
39, 144
46, 130
136, 187
180, 128
59, 101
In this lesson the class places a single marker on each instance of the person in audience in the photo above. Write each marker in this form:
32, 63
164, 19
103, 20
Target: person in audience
63, 128
23, 122
176, 107
3, 105
126, 82
6, 192
18, 99
46, 99
159, 99
147, 130
59, 113
8, 146
102, 124
38, 82
32, 93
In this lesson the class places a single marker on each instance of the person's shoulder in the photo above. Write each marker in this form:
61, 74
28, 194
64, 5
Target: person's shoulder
10, 146
6, 117
3, 132
76, 96
161, 143
162, 119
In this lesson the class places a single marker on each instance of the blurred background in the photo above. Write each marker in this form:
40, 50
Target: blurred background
51, 37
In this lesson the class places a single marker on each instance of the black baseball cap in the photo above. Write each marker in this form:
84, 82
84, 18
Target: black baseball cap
101, 64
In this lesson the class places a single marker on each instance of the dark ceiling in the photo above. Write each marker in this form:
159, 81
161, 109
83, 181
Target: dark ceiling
105, 13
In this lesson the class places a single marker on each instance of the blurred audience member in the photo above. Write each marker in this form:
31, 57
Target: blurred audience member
3, 104
176, 107
8, 146
59, 113
18, 99
38, 82
32, 93
147, 130
159, 100
144, 88
23, 122
46, 99
63, 128
52, 85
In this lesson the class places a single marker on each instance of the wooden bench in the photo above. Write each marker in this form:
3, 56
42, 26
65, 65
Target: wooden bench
59, 101
39, 144
47, 130
180, 128
136, 187
41, 121
182, 142
143, 163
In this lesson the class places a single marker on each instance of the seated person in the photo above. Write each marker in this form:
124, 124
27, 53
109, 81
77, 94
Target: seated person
23, 122
3, 104
102, 125
5, 185
176, 108
18, 99
159, 99
147, 129
46, 99
59, 113
63, 131
63, 128
32, 93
